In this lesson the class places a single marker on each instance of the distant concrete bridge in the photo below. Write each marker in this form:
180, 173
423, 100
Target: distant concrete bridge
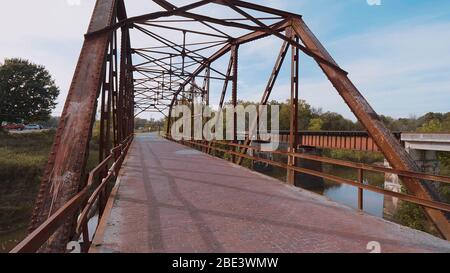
423, 148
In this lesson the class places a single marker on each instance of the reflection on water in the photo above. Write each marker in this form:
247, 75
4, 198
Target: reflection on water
373, 202
342, 193
346, 194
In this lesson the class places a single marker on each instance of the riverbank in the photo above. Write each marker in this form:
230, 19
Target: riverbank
22, 161
23, 158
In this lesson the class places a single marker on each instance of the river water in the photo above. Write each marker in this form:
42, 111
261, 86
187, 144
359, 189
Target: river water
345, 194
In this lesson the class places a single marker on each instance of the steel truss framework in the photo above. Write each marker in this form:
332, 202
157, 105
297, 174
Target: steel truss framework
177, 66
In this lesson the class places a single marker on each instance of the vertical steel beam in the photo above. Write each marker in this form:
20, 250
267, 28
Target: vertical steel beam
206, 85
130, 81
102, 150
266, 95
225, 83
222, 98
125, 96
121, 91
114, 93
109, 98
105, 116
360, 191
293, 129
192, 96
235, 56
62, 177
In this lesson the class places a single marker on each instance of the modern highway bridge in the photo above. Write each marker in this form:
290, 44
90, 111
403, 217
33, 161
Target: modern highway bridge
154, 195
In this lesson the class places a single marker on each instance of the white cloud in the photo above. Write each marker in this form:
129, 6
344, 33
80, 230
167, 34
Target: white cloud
48, 32
400, 69
374, 2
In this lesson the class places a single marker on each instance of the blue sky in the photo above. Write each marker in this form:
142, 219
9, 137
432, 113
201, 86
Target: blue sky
397, 53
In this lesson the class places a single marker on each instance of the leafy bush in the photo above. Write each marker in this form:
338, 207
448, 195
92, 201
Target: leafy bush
355, 156
28, 91
444, 190
411, 215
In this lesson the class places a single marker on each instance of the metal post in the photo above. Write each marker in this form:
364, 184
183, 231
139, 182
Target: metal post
192, 92
294, 111
206, 85
105, 123
130, 90
360, 190
222, 99
267, 92
114, 92
234, 53
122, 83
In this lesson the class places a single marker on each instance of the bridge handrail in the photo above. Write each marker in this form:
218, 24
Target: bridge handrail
358, 166
36, 239
349, 164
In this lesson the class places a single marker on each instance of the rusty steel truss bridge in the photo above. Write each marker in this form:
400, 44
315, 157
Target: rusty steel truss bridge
188, 48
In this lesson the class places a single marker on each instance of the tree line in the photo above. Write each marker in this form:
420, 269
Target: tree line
28, 93
315, 119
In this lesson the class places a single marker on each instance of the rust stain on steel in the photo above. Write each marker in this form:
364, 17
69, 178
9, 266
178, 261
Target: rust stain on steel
345, 140
342, 141
70, 149
393, 151
391, 148
67, 161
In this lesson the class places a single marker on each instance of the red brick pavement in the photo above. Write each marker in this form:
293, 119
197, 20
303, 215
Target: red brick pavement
174, 199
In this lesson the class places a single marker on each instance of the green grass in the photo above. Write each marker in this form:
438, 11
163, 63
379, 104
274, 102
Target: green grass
413, 216
23, 158
22, 161
355, 156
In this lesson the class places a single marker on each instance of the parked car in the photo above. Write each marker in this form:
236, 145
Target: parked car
14, 126
33, 127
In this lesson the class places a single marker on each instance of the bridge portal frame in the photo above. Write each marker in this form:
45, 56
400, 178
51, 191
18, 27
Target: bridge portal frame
63, 176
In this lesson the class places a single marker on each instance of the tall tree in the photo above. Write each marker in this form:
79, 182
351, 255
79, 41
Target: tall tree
27, 91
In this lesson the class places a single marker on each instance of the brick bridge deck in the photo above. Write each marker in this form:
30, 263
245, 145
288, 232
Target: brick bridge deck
171, 198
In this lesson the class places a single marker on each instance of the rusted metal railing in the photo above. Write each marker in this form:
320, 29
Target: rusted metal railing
81, 204
359, 167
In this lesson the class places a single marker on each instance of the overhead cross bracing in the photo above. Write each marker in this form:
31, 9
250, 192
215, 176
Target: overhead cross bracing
176, 48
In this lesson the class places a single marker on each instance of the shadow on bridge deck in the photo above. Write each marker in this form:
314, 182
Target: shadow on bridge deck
171, 198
